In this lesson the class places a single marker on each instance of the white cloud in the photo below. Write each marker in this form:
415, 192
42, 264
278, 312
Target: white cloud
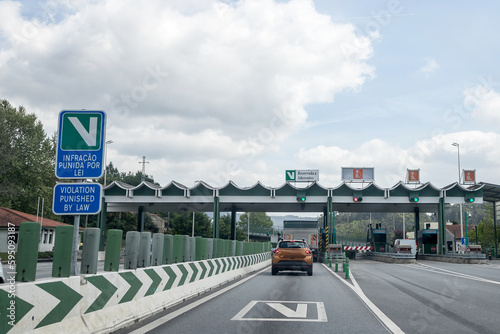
430, 66
484, 102
436, 158
204, 78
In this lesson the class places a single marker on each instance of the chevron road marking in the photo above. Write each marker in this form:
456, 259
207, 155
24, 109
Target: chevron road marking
134, 286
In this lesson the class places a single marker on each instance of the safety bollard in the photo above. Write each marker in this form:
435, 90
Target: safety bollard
330, 262
336, 264
347, 269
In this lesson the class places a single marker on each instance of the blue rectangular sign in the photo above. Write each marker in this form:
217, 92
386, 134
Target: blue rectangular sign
77, 198
80, 144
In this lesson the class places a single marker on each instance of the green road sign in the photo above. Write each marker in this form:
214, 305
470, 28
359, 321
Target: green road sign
290, 175
80, 144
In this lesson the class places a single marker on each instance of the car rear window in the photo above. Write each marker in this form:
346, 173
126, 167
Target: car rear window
292, 244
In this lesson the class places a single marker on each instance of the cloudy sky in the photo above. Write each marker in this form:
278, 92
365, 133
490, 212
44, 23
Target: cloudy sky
244, 90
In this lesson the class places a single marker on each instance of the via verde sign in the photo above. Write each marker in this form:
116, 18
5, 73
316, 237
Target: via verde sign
302, 175
80, 144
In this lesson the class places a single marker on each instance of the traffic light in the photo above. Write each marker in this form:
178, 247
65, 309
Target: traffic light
301, 196
469, 198
357, 196
413, 197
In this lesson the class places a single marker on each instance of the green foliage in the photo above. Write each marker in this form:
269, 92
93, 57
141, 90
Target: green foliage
486, 229
182, 223
27, 161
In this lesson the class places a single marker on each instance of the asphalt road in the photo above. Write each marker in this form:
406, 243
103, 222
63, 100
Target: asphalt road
427, 297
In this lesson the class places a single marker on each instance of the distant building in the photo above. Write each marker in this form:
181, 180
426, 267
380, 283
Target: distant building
47, 233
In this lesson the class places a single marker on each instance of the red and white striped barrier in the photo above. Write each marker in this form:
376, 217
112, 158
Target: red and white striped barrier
358, 248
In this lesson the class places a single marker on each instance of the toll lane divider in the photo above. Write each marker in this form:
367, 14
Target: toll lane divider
107, 301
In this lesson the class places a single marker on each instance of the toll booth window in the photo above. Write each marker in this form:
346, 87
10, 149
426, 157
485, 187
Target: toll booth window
429, 239
379, 237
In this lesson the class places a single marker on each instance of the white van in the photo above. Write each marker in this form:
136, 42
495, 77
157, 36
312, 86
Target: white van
400, 243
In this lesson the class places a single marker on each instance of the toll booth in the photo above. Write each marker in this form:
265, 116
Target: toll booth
377, 237
429, 241
474, 249
335, 250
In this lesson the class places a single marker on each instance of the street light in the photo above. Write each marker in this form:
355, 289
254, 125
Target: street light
457, 145
105, 160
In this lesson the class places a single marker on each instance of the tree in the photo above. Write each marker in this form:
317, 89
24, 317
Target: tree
486, 228
27, 161
182, 223
260, 222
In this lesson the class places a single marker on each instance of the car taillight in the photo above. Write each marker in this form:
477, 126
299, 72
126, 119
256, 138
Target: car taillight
276, 251
308, 251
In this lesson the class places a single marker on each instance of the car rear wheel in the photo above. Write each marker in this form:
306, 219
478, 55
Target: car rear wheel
274, 271
310, 271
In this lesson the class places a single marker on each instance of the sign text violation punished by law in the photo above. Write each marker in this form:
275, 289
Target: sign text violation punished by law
77, 198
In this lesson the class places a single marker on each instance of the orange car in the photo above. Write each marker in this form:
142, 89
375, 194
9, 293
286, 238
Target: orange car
292, 255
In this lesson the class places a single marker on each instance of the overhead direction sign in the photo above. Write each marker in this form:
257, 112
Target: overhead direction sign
80, 144
302, 175
77, 198
362, 174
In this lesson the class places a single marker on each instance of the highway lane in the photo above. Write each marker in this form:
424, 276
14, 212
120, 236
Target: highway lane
430, 297
290, 302
426, 297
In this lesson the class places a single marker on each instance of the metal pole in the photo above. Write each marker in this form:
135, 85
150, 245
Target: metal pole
248, 226
192, 229
466, 234
74, 270
495, 227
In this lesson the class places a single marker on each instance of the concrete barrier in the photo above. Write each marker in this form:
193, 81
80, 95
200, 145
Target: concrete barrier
105, 302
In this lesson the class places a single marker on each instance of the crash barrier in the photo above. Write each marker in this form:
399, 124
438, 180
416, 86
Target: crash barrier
142, 250
392, 257
112, 300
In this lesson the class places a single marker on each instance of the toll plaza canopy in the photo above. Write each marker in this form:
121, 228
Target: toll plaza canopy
347, 197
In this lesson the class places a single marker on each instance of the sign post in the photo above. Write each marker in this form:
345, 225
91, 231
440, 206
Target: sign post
79, 156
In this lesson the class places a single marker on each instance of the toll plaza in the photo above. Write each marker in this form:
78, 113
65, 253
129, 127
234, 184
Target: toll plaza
291, 197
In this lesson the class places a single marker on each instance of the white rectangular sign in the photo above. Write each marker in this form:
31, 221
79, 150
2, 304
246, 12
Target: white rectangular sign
302, 175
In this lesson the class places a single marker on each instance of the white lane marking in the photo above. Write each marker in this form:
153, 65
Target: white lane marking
240, 316
300, 311
160, 321
441, 271
384, 319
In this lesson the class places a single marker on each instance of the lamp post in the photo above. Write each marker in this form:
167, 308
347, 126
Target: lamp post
457, 145
105, 160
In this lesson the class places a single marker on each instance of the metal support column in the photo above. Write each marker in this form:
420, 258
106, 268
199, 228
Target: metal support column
102, 224
417, 224
495, 216
216, 218
140, 219
442, 228
233, 223
331, 224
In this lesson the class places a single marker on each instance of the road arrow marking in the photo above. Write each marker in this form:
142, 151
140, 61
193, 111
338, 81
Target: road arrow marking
300, 312
258, 308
